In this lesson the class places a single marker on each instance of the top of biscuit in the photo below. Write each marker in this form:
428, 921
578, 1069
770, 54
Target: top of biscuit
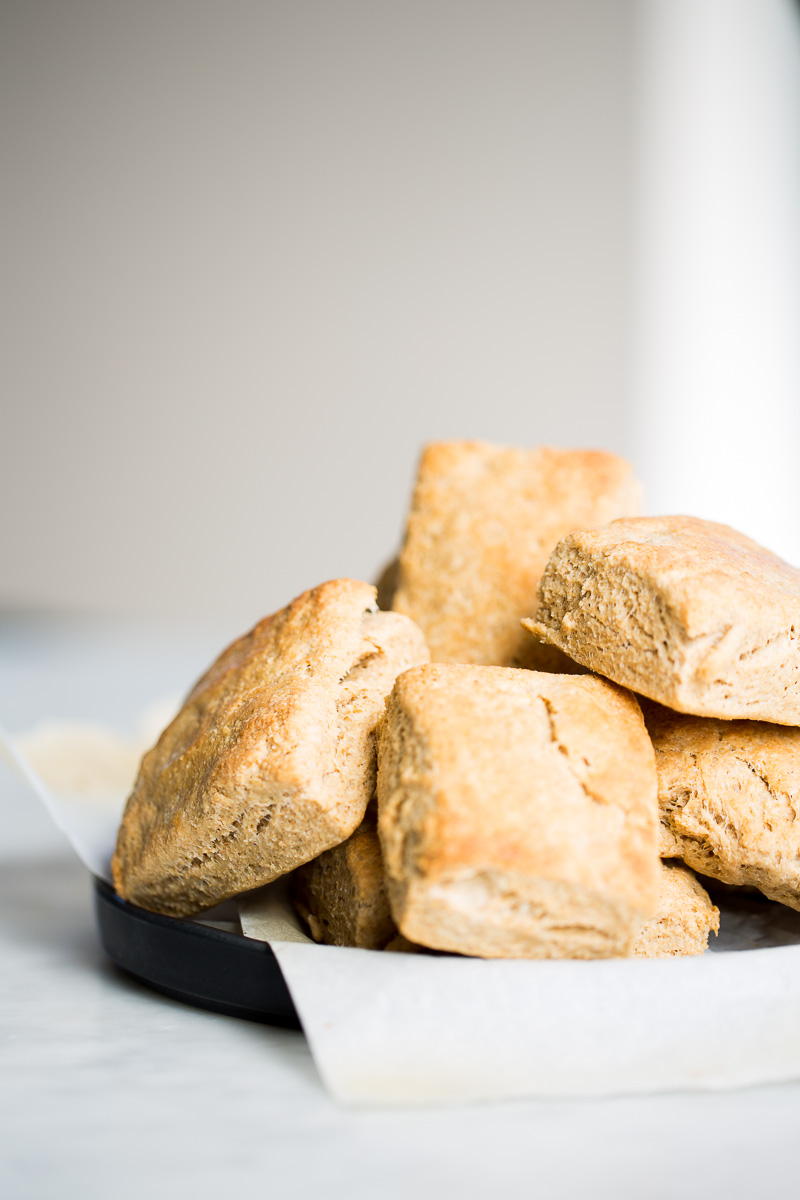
482, 523
687, 612
706, 573
483, 717
550, 476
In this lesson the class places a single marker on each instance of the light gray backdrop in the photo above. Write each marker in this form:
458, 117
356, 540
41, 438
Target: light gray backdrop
257, 253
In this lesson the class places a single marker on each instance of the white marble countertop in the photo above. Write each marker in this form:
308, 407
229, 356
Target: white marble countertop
108, 1089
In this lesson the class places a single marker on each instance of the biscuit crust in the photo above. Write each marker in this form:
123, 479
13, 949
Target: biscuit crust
683, 920
482, 523
509, 827
687, 612
271, 760
729, 798
341, 895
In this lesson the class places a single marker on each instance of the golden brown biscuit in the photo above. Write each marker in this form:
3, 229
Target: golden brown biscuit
341, 895
683, 919
729, 796
482, 524
517, 813
271, 760
689, 613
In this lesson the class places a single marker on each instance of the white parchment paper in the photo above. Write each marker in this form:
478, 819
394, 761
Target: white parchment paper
403, 1029
420, 1029
83, 772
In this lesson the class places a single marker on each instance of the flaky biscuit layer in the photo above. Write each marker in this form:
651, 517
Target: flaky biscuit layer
341, 894
687, 612
729, 798
683, 919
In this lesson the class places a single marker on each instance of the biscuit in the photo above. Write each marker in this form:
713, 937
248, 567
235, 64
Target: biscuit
341, 895
517, 813
271, 760
729, 798
482, 523
683, 919
689, 613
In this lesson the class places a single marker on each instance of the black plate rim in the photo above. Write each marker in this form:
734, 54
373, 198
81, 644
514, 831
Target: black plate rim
207, 968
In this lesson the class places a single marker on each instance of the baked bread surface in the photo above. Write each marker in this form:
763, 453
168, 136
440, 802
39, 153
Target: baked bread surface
271, 760
341, 894
683, 920
729, 799
687, 612
482, 523
517, 812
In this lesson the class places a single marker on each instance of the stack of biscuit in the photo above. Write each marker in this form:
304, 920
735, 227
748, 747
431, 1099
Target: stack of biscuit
566, 713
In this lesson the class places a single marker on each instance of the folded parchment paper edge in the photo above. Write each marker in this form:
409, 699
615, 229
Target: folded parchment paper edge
418, 1030
89, 829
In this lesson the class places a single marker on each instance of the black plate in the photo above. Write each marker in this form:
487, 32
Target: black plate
225, 972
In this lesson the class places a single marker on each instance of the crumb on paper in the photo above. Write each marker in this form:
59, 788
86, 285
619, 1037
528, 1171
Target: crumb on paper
86, 759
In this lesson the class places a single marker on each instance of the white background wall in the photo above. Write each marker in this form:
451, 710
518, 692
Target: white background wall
715, 332
257, 253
